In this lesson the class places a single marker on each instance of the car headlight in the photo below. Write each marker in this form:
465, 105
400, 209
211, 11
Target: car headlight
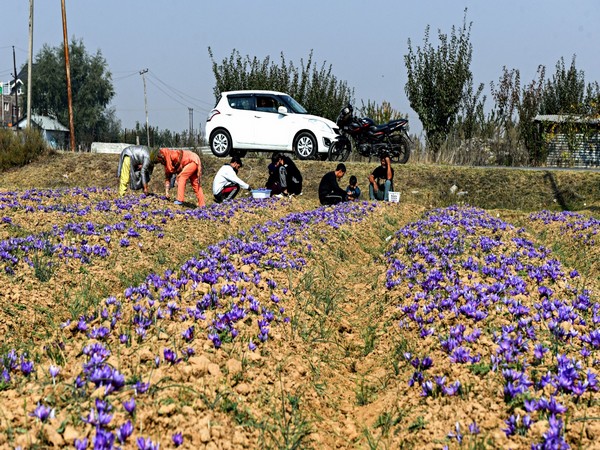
322, 126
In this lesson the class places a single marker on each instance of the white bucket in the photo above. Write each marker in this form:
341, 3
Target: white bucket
261, 193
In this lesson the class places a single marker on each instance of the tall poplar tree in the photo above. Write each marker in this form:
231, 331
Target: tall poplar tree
437, 80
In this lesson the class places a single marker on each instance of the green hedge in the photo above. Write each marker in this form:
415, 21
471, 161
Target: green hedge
20, 148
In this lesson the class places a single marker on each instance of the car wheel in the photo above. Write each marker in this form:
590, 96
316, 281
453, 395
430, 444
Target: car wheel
305, 145
220, 142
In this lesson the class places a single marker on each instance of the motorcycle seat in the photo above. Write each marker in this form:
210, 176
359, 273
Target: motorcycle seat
390, 124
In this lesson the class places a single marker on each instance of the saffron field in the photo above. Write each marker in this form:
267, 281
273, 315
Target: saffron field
133, 323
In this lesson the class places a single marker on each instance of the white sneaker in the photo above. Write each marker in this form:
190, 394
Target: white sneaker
279, 195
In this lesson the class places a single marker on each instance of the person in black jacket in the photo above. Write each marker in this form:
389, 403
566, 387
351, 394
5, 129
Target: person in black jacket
381, 181
273, 182
330, 193
290, 178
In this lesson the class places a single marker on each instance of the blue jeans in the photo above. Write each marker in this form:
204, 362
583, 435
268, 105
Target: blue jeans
382, 193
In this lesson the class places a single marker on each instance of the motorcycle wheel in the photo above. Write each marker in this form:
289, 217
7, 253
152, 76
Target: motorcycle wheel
400, 148
339, 151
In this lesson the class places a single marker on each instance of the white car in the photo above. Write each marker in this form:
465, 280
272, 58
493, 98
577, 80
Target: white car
267, 121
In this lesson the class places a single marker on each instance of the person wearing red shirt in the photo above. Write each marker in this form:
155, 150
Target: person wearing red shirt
186, 165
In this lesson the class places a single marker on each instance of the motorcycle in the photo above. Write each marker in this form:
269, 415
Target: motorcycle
369, 139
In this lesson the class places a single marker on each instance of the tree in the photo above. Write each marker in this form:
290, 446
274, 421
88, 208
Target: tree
565, 92
470, 117
381, 113
91, 87
508, 146
436, 81
317, 89
529, 107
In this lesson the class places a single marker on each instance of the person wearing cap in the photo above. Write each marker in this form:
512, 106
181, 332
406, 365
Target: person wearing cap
330, 192
135, 168
186, 166
290, 178
227, 184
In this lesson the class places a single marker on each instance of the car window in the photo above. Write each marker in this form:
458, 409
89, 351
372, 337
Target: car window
293, 105
241, 102
265, 103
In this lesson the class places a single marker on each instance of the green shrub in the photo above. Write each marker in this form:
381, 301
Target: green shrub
20, 148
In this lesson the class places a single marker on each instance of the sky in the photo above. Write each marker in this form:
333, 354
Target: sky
364, 42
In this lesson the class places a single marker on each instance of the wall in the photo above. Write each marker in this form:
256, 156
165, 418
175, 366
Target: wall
585, 154
107, 147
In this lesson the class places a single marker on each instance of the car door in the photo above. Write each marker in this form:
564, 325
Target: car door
271, 129
240, 120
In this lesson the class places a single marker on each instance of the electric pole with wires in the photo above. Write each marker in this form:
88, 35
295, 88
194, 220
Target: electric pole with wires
142, 73
191, 111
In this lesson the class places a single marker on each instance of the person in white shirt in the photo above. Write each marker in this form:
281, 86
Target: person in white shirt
227, 184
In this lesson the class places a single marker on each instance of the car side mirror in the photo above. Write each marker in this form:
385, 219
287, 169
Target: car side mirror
282, 110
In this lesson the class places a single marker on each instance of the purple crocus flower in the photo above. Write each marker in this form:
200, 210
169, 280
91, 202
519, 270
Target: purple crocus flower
81, 444
177, 439
54, 371
124, 431
103, 439
26, 367
457, 434
170, 356
129, 405
146, 444
474, 429
188, 334
427, 388
42, 412
141, 387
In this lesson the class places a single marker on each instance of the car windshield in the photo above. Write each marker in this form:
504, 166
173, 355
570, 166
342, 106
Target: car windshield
293, 105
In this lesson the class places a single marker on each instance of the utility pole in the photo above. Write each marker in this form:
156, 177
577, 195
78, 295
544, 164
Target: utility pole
142, 73
29, 66
2, 101
191, 111
15, 109
68, 71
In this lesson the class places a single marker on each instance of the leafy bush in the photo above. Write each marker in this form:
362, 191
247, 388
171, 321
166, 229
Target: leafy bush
18, 149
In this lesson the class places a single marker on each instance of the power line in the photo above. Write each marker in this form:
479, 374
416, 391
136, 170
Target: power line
187, 104
130, 74
180, 93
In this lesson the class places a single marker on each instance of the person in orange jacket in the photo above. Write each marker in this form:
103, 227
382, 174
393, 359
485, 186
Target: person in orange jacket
186, 165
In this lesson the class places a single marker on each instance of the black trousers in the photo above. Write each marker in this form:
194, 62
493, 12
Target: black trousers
331, 199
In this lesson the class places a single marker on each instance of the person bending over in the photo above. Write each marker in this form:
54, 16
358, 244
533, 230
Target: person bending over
135, 169
186, 166
227, 184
